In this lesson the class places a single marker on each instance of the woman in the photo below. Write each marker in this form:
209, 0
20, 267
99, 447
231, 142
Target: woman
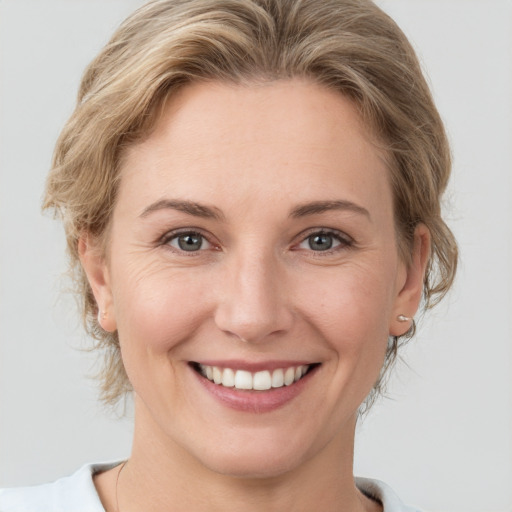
251, 196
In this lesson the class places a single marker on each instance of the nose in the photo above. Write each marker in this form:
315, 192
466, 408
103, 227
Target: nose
253, 302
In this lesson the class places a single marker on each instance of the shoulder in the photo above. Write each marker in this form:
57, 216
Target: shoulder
75, 493
379, 491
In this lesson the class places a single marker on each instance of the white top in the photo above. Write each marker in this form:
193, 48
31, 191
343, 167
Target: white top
76, 493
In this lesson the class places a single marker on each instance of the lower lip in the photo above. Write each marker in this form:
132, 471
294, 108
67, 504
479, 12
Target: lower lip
255, 401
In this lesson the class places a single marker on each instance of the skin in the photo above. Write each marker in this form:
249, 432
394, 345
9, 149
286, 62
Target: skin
253, 155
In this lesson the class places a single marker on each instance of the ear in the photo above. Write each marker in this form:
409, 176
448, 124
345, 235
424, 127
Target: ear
94, 263
410, 287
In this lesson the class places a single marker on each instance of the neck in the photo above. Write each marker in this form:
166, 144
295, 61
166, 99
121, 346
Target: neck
161, 476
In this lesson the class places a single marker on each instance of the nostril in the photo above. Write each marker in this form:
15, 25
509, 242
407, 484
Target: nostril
252, 304
261, 327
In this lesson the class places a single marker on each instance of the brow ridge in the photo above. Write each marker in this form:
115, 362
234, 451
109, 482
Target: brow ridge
189, 207
316, 207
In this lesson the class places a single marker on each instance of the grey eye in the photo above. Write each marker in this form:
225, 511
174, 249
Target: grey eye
189, 242
323, 241
320, 242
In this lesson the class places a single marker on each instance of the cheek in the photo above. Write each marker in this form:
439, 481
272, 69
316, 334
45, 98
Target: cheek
346, 311
350, 306
349, 310
157, 316
157, 310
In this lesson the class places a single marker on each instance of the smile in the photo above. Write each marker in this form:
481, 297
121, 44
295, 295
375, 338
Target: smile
258, 381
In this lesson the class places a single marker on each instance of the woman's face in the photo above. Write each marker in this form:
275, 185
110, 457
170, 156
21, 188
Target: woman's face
252, 240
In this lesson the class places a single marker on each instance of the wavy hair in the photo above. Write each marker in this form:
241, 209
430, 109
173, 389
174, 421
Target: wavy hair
350, 46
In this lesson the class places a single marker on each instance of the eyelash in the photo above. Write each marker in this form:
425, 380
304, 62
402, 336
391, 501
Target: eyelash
344, 241
174, 235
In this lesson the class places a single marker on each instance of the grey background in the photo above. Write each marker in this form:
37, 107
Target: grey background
443, 440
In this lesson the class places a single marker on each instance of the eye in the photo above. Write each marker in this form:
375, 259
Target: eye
322, 241
189, 242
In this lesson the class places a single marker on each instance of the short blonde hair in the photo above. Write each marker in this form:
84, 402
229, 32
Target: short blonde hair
350, 46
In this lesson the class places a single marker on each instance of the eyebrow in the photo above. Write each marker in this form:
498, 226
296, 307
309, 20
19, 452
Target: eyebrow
189, 207
207, 212
316, 207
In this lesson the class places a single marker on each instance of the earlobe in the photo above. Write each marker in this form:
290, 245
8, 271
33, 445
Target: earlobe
409, 295
96, 269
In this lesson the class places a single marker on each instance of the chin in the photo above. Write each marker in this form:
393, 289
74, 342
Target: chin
257, 455
249, 465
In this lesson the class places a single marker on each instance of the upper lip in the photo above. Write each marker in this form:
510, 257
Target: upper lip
253, 366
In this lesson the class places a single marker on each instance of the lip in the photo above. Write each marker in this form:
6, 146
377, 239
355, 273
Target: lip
251, 401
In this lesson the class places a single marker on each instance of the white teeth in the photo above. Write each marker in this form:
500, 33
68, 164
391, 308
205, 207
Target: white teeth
217, 375
278, 378
243, 379
228, 378
289, 376
260, 381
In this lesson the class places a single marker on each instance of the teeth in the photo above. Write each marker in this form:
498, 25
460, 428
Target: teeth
228, 378
289, 376
243, 379
261, 381
278, 378
217, 375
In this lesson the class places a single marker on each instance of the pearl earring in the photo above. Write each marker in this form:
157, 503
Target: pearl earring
403, 318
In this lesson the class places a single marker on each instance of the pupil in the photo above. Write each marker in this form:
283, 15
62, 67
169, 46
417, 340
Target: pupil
190, 242
320, 242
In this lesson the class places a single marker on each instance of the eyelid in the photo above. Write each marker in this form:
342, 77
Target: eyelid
174, 233
345, 240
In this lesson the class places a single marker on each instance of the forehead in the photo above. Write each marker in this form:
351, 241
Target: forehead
220, 138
